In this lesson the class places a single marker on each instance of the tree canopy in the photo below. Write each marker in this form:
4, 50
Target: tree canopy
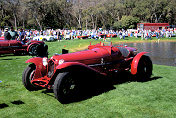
85, 14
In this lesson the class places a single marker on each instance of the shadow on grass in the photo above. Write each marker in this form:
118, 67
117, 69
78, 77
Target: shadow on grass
17, 102
11, 55
99, 86
10, 59
6, 55
47, 91
3, 105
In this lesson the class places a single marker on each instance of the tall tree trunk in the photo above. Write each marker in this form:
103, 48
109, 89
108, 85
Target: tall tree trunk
15, 21
38, 22
86, 24
156, 19
2, 12
95, 23
92, 21
80, 21
23, 24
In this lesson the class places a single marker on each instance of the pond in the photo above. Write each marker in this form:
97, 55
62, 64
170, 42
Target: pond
162, 53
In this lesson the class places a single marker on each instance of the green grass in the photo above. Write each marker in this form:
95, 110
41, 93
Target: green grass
151, 99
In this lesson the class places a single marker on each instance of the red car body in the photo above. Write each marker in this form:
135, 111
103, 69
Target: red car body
107, 35
82, 37
1, 38
55, 72
111, 35
16, 47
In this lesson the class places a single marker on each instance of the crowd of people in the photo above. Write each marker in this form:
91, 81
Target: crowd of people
13, 35
23, 35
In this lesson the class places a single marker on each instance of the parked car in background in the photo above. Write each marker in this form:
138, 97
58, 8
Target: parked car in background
34, 48
45, 38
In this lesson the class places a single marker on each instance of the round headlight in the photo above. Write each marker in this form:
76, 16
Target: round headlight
61, 61
45, 61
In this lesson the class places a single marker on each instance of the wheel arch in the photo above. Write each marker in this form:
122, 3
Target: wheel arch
38, 62
135, 61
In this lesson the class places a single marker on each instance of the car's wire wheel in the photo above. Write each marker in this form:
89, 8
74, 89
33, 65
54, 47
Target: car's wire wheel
40, 50
66, 87
33, 49
28, 75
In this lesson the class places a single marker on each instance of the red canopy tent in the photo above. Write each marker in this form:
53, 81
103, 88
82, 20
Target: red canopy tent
152, 26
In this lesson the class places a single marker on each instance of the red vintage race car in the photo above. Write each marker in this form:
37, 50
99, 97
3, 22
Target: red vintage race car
111, 35
67, 73
30, 47
82, 37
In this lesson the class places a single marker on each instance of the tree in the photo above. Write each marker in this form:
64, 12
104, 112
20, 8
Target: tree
13, 4
127, 22
34, 7
85, 13
5, 16
78, 12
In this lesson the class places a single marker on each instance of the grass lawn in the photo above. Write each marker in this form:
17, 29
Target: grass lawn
151, 99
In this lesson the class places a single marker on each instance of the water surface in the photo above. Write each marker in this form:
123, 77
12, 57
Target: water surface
162, 53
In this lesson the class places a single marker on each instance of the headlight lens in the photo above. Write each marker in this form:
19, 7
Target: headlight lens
45, 61
61, 61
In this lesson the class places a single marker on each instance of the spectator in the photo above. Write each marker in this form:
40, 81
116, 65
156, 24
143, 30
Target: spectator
120, 34
150, 35
123, 34
170, 34
7, 35
131, 34
136, 34
59, 35
22, 36
13, 34
67, 37
167, 34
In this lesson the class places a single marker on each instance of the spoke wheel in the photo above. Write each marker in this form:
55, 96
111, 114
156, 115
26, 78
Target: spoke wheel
28, 75
66, 87
33, 50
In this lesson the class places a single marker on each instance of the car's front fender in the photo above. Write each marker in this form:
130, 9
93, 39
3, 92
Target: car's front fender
135, 62
35, 60
40, 68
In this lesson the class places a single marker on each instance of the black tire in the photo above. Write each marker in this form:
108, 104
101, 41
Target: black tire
27, 77
66, 87
33, 49
40, 50
145, 67
44, 39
